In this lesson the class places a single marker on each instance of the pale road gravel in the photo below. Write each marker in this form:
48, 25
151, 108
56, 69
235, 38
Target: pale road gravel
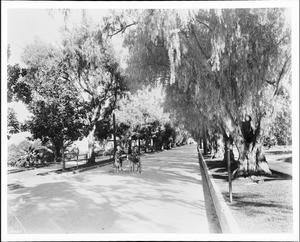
167, 197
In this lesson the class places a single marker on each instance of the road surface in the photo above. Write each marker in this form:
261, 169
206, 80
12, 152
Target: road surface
167, 197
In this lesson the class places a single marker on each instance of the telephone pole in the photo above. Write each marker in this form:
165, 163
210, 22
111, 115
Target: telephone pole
229, 170
114, 127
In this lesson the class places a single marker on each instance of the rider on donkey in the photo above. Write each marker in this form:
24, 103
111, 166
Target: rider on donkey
135, 159
118, 157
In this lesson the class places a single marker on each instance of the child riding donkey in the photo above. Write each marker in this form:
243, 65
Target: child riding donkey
135, 159
118, 159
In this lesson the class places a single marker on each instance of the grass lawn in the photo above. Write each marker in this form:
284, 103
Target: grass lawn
264, 207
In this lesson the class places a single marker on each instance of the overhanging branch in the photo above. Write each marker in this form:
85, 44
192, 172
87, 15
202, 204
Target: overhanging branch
281, 74
122, 29
205, 24
201, 49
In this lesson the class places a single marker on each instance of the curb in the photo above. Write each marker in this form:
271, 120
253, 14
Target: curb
227, 221
74, 169
107, 162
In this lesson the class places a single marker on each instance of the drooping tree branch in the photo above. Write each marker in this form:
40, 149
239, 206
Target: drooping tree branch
205, 24
201, 49
257, 128
282, 72
122, 29
230, 114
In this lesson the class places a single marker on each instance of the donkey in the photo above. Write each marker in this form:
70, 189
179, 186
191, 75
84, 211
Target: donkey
117, 163
134, 159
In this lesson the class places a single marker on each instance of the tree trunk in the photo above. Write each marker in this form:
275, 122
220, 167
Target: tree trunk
63, 161
139, 145
57, 150
251, 158
146, 145
129, 146
91, 146
200, 143
115, 137
155, 143
57, 157
205, 147
227, 147
218, 147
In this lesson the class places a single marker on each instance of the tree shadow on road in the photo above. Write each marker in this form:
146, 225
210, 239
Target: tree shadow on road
94, 201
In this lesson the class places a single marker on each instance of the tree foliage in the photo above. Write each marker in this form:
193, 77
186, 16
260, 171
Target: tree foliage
57, 122
280, 128
226, 64
28, 153
90, 64
55, 104
83, 68
141, 114
225, 72
12, 122
17, 89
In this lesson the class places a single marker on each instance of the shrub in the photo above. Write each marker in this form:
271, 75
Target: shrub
28, 153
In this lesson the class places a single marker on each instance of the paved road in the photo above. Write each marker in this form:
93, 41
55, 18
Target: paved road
167, 197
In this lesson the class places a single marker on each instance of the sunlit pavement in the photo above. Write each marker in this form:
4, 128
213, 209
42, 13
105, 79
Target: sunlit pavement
167, 197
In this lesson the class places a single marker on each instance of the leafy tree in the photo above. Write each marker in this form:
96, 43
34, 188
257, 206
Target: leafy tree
141, 115
85, 65
89, 64
249, 56
281, 126
28, 153
229, 63
150, 54
12, 122
55, 104
168, 136
57, 122
25, 126
104, 129
182, 134
17, 89
184, 111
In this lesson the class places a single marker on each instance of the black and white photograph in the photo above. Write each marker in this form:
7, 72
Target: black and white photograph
150, 121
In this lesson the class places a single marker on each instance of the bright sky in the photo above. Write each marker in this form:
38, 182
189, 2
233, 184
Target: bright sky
23, 25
